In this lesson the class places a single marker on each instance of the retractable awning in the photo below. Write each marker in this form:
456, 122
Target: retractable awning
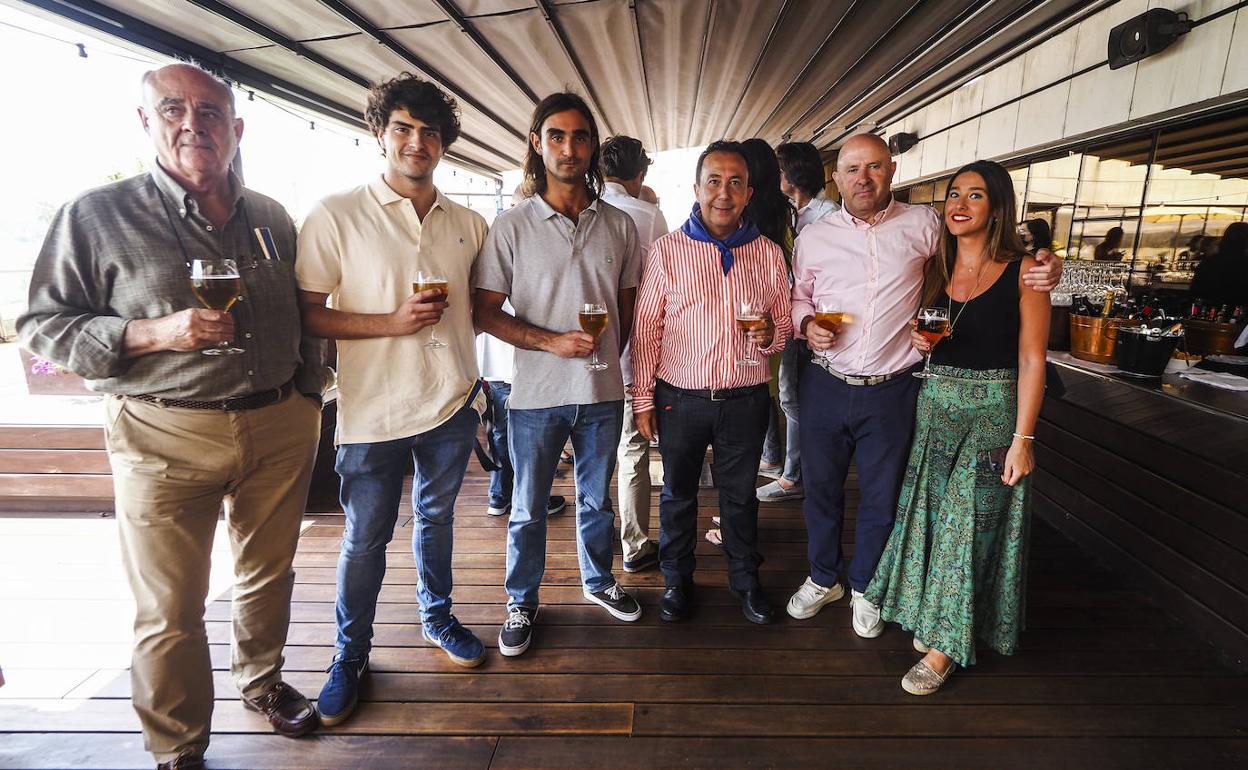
673, 73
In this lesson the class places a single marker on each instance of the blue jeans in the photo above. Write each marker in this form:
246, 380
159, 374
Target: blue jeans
536, 438
793, 362
502, 479
372, 484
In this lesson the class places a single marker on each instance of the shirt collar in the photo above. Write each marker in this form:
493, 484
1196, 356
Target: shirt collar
176, 193
543, 211
879, 217
385, 195
614, 189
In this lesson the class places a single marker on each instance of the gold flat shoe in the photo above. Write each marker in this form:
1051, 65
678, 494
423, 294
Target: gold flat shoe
922, 680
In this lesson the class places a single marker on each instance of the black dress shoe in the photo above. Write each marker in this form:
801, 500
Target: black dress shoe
676, 603
755, 607
184, 762
287, 710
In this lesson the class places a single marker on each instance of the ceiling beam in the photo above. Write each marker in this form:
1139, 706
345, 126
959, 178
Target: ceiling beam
697, 82
1008, 51
468, 28
116, 24
758, 60
358, 21
557, 29
645, 80
227, 13
801, 75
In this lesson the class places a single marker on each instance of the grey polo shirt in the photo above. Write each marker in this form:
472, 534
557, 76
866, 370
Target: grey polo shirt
549, 266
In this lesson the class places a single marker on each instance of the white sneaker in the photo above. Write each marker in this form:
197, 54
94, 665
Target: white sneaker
492, 511
811, 597
867, 623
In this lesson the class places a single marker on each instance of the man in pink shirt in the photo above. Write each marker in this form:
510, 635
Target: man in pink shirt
857, 401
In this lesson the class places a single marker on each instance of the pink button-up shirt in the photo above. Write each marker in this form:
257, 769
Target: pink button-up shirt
873, 273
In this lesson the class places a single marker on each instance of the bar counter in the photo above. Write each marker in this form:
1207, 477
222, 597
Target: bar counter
1151, 475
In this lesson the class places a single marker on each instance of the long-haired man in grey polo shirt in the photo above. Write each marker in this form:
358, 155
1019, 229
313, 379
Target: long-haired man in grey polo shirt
185, 430
559, 249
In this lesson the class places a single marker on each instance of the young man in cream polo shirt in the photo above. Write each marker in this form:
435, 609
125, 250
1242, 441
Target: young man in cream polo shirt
398, 396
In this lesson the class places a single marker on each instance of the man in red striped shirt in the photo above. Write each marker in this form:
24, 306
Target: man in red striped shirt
699, 380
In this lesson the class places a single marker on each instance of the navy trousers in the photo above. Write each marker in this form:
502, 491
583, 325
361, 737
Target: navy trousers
871, 425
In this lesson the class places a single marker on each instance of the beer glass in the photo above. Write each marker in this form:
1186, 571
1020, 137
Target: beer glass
432, 282
827, 315
749, 316
216, 284
593, 318
933, 327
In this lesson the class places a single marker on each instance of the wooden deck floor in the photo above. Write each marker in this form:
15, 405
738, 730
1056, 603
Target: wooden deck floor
1105, 680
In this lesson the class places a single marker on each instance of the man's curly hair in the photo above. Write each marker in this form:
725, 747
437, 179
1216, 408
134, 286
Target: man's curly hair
422, 100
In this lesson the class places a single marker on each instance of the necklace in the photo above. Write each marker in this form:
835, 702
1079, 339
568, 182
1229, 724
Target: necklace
978, 277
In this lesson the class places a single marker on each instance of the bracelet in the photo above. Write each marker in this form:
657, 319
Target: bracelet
1020, 435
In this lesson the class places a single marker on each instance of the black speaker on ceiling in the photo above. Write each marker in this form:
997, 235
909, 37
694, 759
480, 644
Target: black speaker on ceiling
1149, 33
899, 143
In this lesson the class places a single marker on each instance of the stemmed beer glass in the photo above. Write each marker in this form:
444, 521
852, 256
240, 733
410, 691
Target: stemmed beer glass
432, 282
593, 318
217, 285
933, 327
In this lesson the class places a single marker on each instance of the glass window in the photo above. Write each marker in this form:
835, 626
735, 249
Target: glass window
1107, 204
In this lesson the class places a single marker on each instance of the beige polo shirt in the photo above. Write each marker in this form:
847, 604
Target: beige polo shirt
363, 247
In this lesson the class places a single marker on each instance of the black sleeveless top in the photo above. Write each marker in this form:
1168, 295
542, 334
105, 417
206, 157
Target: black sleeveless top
986, 334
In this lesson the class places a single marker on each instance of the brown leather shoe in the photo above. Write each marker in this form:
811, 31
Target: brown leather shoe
184, 762
286, 709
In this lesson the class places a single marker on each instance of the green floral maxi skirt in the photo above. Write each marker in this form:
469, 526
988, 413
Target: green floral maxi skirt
954, 568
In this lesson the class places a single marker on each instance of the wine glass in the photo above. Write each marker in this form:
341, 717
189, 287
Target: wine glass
593, 318
827, 315
217, 285
933, 326
432, 282
749, 316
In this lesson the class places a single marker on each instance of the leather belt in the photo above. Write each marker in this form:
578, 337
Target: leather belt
716, 394
236, 404
853, 379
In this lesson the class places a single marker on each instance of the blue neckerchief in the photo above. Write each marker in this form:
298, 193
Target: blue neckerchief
744, 234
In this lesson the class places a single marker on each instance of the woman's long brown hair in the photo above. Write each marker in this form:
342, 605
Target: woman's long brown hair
1003, 242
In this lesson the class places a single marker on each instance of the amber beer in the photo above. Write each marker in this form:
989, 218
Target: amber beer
216, 292
443, 287
933, 329
748, 322
593, 322
829, 320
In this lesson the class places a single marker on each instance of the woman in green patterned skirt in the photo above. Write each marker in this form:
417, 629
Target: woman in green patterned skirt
953, 571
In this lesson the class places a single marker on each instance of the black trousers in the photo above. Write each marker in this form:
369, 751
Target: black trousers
734, 429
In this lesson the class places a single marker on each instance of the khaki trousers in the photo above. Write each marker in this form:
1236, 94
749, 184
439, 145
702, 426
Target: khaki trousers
172, 470
633, 460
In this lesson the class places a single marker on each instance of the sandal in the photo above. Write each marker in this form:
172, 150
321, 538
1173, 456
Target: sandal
714, 537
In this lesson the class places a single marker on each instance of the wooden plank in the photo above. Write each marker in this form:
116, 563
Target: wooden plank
61, 485
51, 437
821, 753
977, 688
861, 721
320, 751
54, 461
369, 719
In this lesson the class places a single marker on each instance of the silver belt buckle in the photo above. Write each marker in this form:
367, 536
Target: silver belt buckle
715, 394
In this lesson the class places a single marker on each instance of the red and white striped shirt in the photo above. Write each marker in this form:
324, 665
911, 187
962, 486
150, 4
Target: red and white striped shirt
684, 325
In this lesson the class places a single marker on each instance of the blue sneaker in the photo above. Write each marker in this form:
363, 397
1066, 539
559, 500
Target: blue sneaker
460, 645
338, 696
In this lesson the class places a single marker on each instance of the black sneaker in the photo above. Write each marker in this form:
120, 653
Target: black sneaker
616, 602
555, 504
517, 631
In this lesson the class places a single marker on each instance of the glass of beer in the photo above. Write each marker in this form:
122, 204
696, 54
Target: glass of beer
933, 327
827, 315
593, 318
749, 316
217, 286
432, 282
